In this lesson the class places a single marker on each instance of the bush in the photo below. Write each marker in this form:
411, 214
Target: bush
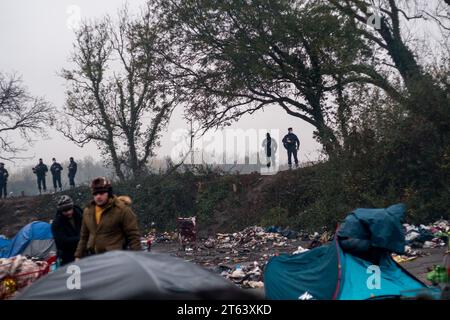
277, 216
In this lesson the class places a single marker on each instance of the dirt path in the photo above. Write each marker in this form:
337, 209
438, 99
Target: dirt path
419, 267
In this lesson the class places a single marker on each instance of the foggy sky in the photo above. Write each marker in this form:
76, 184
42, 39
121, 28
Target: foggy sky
36, 42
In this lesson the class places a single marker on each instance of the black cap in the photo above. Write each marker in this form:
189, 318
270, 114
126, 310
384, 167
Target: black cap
290, 128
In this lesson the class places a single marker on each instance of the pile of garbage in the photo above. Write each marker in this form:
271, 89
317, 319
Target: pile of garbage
165, 237
18, 272
246, 276
258, 244
432, 236
250, 237
435, 235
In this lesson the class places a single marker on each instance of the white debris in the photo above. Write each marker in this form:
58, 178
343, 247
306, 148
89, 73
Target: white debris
300, 249
238, 273
253, 284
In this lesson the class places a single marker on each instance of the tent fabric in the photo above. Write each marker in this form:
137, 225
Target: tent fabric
327, 273
132, 275
313, 273
4, 245
378, 228
35, 239
332, 272
40, 248
357, 283
4, 242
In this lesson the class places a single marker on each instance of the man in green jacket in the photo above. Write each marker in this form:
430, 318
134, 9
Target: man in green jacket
108, 222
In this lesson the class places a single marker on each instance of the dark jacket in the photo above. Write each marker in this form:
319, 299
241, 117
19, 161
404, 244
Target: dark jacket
269, 147
290, 141
4, 175
56, 169
117, 230
72, 168
66, 235
40, 170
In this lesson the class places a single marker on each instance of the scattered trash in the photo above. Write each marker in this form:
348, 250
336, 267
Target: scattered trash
402, 258
279, 244
242, 256
253, 284
166, 237
210, 243
429, 244
237, 274
300, 250
18, 272
427, 237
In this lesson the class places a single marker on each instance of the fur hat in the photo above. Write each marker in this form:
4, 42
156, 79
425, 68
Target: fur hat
101, 184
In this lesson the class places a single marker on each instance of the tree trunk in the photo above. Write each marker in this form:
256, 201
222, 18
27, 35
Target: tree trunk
116, 163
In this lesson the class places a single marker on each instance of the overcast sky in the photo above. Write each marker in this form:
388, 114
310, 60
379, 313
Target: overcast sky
36, 41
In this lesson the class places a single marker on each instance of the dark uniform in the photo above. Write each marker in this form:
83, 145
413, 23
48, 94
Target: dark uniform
72, 172
40, 170
3, 180
291, 143
56, 169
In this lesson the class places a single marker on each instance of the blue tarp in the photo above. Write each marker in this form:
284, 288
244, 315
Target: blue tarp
377, 228
329, 272
37, 230
4, 245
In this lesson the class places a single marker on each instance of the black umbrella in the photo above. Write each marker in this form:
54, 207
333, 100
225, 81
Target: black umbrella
132, 275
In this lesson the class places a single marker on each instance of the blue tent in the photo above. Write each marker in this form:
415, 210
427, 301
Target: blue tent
34, 240
4, 245
345, 269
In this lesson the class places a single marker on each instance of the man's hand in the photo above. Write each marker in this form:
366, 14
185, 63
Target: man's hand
77, 259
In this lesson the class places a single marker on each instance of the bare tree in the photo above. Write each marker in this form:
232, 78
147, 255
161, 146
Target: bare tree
21, 115
117, 96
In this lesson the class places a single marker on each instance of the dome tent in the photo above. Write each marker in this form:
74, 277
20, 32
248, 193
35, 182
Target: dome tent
33, 240
344, 268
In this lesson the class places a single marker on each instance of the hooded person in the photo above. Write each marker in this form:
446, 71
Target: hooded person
108, 222
66, 229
